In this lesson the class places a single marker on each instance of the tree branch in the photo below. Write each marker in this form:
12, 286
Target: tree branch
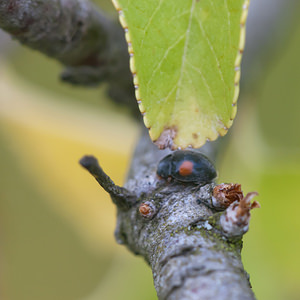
191, 236
72, 32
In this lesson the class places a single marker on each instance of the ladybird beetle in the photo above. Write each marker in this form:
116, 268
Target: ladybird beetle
187, 166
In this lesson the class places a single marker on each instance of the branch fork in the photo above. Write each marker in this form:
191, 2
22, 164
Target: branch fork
190, 236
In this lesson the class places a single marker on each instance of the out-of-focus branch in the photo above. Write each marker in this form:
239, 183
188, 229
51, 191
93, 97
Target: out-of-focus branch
76, 33
73, 32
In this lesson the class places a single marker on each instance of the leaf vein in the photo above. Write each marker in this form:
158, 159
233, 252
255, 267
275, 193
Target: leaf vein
228, 21
212, 50
150, 20
203, 79
164, 58
187, 36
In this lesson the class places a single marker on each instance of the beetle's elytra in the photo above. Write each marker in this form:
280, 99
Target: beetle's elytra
187, 166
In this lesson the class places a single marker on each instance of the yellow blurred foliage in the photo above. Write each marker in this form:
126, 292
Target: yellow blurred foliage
49, 138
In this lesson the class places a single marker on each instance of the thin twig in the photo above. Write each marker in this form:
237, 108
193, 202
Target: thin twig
120, 196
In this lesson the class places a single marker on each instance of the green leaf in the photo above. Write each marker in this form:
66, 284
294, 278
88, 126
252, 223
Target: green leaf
185, 60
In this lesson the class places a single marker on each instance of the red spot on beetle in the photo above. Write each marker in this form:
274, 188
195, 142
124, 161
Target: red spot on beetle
186, 168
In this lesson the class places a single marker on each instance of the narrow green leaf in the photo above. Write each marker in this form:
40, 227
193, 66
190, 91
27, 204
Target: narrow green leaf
185, 60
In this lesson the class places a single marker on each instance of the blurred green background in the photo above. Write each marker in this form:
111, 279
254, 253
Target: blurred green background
57, 225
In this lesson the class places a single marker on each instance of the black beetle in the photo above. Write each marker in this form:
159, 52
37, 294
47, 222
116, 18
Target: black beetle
187, 166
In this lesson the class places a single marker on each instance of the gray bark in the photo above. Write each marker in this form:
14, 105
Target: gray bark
192, 252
